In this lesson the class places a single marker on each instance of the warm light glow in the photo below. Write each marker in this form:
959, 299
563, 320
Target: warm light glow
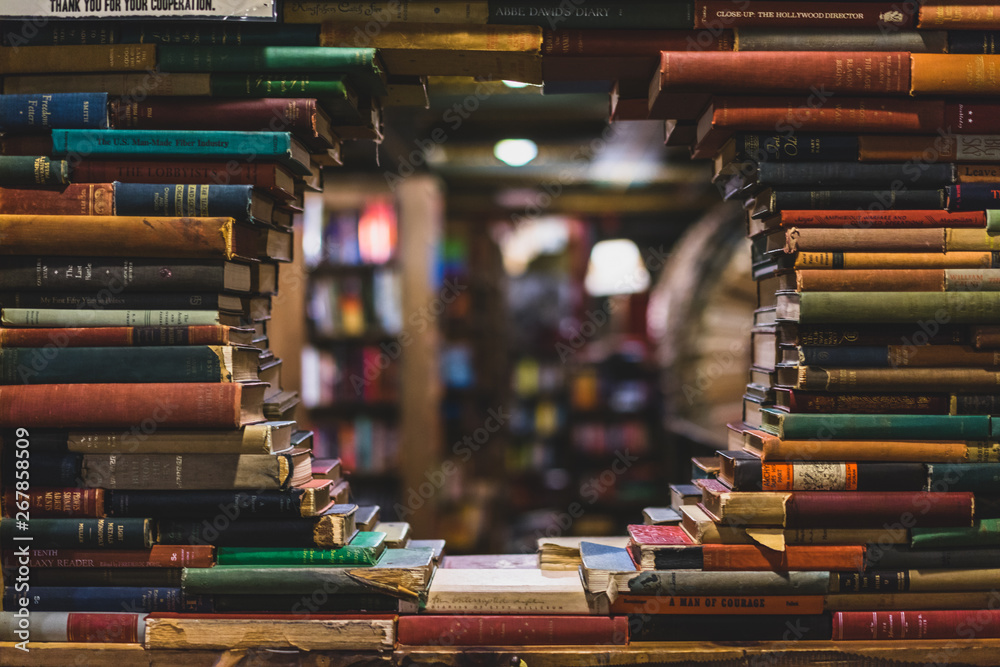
516, 152
377, 232
515, 84
616, 267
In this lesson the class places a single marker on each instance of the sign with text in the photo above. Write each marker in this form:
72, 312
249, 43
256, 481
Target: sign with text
146, 9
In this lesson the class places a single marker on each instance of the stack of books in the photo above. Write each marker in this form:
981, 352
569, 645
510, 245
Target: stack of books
868, 446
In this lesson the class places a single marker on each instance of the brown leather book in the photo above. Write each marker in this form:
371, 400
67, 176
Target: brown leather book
72, 199
725, 557
959, 15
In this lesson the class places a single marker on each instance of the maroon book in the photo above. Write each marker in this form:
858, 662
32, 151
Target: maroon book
159, 555
936, 624
47, 502
876, 509
267, 175
623, 43
725, 14
511, 630
300, 116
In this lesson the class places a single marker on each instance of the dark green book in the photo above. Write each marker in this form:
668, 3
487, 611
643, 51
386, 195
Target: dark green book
697, 582
297, 604
979, 478
364, 549
362, 67
74, 365
889, 307
803, 426
77, 533
20, 170
984, 533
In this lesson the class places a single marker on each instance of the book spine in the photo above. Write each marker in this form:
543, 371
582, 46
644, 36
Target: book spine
865, 450
161, 472
899, 356
169, 577
199, 58
148, 171
168, 143
67, 317
114, 336
346, 555
772, 147
78, 58
428, 630
74, 199
96, 627
973, 41
831, 476
40, 112
219, 201
553, 14
817, 402
568, 42
958, 559
784, 200
329, 90
980, 478
897, 260
255, 533
195, 405
975, 404
714, 604
673, 558
854, 426
58, 34
868, 307
220, 33
889, 17
119, 276
874, 357
114, 365
764, 627
870, 280
696, 582
830, 174
873, 581
952, 74
959, 148
884, 334
289, 604
159, 556
103, 598
748, 557
777, 72
864, 219
387, 12
874, 509
269, 580
909, 625
984, 533
54, 502
52, 469
191, 504
973, 197
27, 170
859, 39
88, 533
297, 115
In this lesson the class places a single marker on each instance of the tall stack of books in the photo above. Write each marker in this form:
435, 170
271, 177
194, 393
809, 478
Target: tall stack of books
869, 178
150, 465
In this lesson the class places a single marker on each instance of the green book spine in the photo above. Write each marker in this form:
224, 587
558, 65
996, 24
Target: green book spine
976, 477
360, 65
798, 426
884, 307
29, 170
19, 365
697, 582
269, 580
364, 549
985, 532
122, 144
77, 533
333, 92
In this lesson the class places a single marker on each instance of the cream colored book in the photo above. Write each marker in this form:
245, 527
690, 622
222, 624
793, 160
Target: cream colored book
506, 591
563, 553
304, 633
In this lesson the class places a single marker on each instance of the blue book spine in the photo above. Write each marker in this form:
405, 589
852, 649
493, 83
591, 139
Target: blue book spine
48, 468
976, 477
973, 197
103, 598
224, 201
43, 112
111, 365
846, 357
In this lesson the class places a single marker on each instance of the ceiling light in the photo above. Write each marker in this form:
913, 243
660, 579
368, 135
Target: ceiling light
515, 152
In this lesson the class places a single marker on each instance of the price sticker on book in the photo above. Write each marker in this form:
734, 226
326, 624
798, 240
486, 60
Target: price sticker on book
262, 10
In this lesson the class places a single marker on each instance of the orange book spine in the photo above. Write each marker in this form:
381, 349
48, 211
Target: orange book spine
77, 58
776, 450
73, 199
202, 405
959, 15
846, 239
954, 74
753, 557
893, 260
114, 336
870, 280
718, 604
864, 219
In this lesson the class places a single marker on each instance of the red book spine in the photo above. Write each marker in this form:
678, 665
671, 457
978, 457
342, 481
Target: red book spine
852, 72
115, 336
72, 199
103, 628
511, 630
44, 502
619, 43
752, 557
716, 14
834, 114
875, 509
265, 114
196, 404
910, 404
936, 624
261, 174
863, 219
159, 555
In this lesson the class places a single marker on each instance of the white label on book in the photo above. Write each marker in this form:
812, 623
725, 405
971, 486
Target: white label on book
147, 9
984, 147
